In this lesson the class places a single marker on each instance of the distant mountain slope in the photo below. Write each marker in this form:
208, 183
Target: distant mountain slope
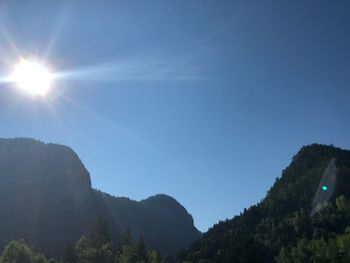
46, 198
282, 226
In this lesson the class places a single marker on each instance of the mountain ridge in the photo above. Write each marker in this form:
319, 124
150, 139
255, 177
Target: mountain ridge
47, 199
281, 226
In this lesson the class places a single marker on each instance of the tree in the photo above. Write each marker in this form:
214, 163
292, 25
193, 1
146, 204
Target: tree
84, 250
343, 243
100, 234
70, 254
141, 251
283, 256
128, 253
154, 256
127, 241
97, 247
19, 252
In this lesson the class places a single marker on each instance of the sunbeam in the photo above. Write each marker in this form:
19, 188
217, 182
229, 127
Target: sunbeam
9, 41
61, 21
132, 69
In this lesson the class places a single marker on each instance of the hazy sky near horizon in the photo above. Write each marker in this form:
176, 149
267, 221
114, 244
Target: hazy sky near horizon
206, 101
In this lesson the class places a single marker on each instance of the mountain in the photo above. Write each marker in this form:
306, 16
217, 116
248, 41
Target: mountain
305, 216
46, 198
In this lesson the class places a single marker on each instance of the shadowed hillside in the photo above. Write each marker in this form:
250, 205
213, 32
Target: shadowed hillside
46, 198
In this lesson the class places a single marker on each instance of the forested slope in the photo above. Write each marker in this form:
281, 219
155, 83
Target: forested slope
282, 226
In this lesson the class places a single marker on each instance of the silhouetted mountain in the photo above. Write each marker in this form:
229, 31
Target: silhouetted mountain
290, 224
46, 198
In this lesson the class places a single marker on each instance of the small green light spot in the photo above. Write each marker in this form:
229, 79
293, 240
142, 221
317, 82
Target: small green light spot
324, 188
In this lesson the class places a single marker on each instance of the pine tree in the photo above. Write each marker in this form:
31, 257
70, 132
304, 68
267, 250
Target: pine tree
100, 235
141, 251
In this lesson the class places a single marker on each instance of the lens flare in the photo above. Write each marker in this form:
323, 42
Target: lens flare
325, 188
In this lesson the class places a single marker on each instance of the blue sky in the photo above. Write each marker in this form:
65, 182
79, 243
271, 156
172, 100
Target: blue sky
206, 101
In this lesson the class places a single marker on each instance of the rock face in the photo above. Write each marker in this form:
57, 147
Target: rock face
46, 198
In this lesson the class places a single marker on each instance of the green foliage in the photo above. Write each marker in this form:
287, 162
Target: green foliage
281, 228
98, 248
128, 255
19, 252
95, 248
154, 256
343, 244
335, 249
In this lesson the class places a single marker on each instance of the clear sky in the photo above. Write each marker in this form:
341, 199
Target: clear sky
206, 101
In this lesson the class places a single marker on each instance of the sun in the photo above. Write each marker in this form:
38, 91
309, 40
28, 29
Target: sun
32, 77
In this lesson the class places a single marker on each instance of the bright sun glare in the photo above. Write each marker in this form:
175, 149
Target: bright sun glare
32, 77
